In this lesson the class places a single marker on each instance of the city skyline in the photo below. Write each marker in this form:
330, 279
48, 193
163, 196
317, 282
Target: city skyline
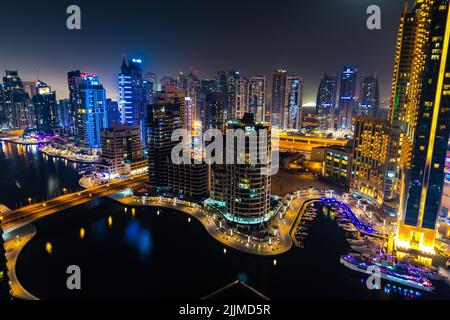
148, 39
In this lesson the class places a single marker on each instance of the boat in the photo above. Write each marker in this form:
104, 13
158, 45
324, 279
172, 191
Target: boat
392, 273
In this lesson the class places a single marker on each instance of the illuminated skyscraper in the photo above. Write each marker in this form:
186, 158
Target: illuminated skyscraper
291, 110
326, 102
369, 96
426, 118
249, 184
18, 109
131, 93
347, 94
257, 97
88, 102
233, 77
370, 148
45, 106
278, 95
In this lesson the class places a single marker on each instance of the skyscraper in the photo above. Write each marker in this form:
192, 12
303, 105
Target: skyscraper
240, 105
163, 117
257, 97
426, 120
17, 104
249, 184
45, 107
326, 102
278, 95
64, 115
233, 76
347, 97
112, 113
131, 93
88, 102
369, 96
215, 111
291, 110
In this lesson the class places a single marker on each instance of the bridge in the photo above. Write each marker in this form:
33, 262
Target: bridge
25, 215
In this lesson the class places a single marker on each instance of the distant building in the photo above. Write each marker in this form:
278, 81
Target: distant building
347, 96
215, 111
112, 113
369, 96
257, 97
370, 147
88, 102
45, 107
278, 95
233, 77
326, 102
64, 114
291, 114
18, 109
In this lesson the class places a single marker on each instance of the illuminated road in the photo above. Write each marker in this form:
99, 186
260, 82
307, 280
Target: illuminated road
17, 218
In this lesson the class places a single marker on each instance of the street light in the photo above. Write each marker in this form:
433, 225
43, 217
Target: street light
29, 201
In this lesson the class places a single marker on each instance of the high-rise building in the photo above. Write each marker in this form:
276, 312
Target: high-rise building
233, 77
249, 184
88, 103
183, 180
45, 107
190, 85
291, 110
64, 115
326, 102
113, 113
133, 95
369, 96
215, 111
241, 98
5, 290
278, 95
149, 86
163, 117
427, 118
18, 108
257, 97
221, 82
121, 149
347, 95
370, 149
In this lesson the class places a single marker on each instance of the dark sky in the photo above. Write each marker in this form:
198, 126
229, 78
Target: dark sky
307, 37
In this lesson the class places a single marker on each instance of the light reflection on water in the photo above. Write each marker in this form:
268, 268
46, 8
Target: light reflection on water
139, 238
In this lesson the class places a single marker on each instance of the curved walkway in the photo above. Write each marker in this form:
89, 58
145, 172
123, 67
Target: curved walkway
15, 241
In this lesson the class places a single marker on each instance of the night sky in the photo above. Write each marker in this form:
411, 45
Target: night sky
307, 37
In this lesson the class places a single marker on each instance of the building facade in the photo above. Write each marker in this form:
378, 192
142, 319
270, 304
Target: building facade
249, 184
369, 96
326, 102
257, 97
88, 103
121, 145
427, 118
370, 148
347, 97
45, 107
